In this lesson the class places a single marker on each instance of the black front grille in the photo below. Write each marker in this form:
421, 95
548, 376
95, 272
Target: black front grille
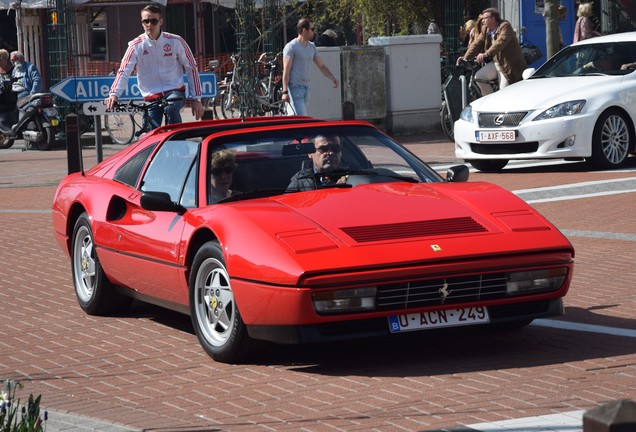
443, 291
508, 148
501, 120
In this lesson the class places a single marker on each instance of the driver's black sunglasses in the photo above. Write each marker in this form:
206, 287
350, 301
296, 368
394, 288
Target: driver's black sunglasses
334, 148
153, 21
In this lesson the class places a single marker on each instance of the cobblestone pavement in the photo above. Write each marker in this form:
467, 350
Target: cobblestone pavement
145, 370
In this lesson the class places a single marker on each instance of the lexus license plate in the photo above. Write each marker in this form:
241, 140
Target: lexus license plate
438, 319
495, 136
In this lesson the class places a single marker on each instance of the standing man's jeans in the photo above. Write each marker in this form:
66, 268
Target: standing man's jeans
298, 98
172, 110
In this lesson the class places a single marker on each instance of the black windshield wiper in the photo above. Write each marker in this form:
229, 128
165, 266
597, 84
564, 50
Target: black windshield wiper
373, 172
258, 193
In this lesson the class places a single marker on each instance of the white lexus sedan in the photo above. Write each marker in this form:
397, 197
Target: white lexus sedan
580, 104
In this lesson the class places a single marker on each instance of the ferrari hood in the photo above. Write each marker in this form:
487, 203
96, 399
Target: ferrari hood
379, 225
402, 212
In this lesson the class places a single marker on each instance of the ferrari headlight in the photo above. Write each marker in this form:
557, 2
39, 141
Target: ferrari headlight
346, 300
528, 282
562, 110
467, 114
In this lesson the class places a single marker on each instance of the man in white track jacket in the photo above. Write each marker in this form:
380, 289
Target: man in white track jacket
161, 59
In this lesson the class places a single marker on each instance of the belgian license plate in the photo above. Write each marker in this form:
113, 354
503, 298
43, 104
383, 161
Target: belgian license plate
50, 112
495, 136
438, 319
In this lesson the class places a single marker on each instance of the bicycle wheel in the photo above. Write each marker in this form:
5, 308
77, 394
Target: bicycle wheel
230, 102
447, 121
120, 128
279, 107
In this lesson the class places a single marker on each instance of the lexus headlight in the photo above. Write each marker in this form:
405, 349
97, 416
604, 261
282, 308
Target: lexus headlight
562, 110
467, 114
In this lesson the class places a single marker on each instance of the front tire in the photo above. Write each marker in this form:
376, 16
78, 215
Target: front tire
5, 141
95, 294
489, 165
611, 140
215, 315
120, 128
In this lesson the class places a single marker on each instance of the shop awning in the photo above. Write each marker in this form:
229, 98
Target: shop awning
43, 4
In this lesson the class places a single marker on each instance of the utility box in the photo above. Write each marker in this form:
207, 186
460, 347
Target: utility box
324, 99
413, 82
363, 81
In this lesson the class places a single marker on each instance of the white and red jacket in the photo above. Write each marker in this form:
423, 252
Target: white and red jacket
160, 66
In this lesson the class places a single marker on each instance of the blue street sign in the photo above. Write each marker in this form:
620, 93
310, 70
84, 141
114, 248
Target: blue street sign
96, 88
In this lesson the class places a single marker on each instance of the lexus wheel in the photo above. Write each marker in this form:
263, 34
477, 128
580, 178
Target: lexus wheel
611, 140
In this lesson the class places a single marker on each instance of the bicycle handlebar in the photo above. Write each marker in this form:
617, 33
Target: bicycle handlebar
146, 105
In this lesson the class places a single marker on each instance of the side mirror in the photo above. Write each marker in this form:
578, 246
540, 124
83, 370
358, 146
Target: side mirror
527, 73
457, 174
160, 201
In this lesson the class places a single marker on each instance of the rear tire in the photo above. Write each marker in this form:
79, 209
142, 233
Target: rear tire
489, 165
95, 294
120, 128
47, 133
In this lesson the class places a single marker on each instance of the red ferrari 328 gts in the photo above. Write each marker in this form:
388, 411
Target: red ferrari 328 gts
375, 243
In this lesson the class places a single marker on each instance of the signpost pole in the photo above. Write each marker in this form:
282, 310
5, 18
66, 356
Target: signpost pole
98, 138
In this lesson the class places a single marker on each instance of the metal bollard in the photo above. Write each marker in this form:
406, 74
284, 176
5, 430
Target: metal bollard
615, 416
73, 144
348, 110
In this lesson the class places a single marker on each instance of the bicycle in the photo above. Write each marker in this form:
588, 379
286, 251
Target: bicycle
209, 103
268, 89
115, 125
126, 128
228, 100
459, 90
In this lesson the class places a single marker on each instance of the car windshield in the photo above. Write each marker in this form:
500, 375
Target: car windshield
615, 58
298, 159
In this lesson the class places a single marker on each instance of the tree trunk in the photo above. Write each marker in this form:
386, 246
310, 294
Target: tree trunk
552, 31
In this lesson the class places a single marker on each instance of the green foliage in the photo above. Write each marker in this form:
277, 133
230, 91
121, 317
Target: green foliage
17, 418
377, 17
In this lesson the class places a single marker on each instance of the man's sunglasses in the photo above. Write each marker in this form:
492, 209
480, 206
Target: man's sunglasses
334, 148
219, 171
153, 21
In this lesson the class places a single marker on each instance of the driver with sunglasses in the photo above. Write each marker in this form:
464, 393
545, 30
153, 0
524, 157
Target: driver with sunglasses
161, 59
325, 159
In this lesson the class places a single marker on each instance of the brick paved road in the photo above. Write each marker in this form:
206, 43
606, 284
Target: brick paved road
145, 370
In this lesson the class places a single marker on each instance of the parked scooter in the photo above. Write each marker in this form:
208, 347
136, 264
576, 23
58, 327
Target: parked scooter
37, 124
